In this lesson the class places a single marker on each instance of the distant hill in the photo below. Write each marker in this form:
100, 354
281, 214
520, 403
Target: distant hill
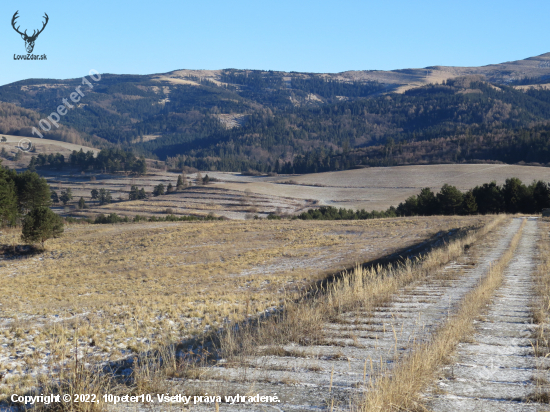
303, 122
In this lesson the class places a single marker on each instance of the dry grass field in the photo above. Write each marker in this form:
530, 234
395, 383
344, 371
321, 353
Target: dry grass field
237, 196
45, 146
113, 290
378, 188
203, 201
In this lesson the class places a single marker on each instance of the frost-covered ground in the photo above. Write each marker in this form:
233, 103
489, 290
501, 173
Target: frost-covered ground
496, 370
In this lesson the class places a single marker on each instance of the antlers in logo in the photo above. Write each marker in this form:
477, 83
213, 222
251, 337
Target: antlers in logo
29, 40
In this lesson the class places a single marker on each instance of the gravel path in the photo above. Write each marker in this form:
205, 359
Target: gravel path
497, 370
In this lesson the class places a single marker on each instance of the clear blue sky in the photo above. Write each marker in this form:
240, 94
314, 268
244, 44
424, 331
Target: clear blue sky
138, 37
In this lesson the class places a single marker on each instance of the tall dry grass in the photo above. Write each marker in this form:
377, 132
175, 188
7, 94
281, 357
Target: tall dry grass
399, 388
70, 373
362, 289
301, 321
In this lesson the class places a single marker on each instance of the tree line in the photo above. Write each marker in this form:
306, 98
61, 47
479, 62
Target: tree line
111, 160
490, 198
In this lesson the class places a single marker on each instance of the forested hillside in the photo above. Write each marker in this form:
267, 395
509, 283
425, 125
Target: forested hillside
292, 122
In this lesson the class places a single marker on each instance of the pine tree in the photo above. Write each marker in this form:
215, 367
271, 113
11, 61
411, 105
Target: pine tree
512, 191
450, 200
180, 185
82, 204
134, 193
54, 197
104, 197
8, 200
66, 196
32, 191
95, 194
158, 190
41, 224
32, 165
469, 204
170, 188
142, 194
427, 203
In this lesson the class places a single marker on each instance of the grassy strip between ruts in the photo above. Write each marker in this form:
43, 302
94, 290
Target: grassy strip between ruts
398, 389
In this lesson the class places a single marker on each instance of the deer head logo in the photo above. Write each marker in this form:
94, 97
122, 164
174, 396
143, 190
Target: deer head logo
29, 40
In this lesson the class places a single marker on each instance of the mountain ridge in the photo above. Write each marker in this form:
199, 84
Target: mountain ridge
236, 120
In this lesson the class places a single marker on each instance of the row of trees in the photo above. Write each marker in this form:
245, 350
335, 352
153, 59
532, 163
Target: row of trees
111, 160
114, 218
332, 213
512, 197
181, 184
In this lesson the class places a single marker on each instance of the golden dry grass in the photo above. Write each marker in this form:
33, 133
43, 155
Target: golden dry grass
112, 290
45, 146
361, 289
541, 307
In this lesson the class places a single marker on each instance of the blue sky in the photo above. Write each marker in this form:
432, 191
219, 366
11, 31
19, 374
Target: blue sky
133, 37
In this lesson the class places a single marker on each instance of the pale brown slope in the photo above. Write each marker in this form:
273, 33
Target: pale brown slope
402, 79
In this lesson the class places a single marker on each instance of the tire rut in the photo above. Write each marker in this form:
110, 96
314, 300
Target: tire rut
496, 370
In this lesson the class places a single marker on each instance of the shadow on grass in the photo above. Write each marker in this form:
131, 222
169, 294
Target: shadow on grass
19, 251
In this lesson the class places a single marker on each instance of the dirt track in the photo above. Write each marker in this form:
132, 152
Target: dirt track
497, 369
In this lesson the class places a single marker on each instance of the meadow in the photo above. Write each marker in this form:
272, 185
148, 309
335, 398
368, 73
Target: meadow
110, 291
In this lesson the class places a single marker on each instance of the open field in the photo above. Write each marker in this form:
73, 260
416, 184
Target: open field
45, 146
378, 188
236, 196
121, 289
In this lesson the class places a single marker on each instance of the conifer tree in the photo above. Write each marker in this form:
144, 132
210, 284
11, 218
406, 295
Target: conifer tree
66, 196
54, 197
41, 224
82, 204
469, 204
8, 200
